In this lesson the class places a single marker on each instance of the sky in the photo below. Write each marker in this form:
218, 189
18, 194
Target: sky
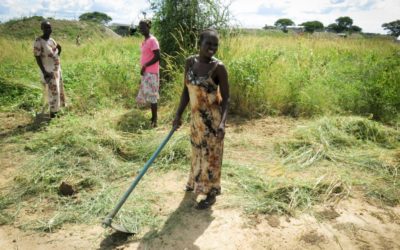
367, 14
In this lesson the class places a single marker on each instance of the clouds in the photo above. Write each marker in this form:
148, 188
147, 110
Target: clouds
265, 10
368, 14
124, 11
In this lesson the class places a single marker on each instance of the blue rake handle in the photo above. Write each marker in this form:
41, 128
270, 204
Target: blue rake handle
110, 216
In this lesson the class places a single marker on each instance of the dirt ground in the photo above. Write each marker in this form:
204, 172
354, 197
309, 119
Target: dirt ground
351, 224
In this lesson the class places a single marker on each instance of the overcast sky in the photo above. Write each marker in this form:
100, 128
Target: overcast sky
368, 14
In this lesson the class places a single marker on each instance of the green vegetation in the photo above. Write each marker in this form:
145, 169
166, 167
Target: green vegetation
97, 17
312, 26
343, 24
29, 28
102, 139
282, 23
185, 19
393, 27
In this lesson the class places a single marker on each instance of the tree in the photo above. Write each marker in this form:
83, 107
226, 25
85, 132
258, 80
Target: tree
268, 27
333, 27
177, 23
283, 23
97, 17
312, 26
344, 23
393, 27
355, 28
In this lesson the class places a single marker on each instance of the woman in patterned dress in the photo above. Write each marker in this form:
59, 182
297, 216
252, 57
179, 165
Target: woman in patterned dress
47, 53
206, 88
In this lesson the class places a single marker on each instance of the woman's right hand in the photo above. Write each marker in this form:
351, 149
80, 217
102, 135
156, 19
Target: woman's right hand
176, 123
48, 76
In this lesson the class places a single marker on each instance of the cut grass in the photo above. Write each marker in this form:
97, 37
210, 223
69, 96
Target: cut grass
356, 143
98, 160
331, 138
98, 156
262, 194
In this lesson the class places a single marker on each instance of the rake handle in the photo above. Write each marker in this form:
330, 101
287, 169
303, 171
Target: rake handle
110, 216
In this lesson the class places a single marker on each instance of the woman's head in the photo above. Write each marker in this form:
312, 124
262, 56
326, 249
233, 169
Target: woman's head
208, 42
145, 26
45, 26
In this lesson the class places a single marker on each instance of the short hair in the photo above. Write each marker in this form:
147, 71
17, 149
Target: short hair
44, 22
206, 33
146, 21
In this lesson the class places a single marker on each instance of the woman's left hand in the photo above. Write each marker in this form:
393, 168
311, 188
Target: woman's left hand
59, 49
221, 131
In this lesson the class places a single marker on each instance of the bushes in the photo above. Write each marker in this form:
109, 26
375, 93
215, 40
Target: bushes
380, 91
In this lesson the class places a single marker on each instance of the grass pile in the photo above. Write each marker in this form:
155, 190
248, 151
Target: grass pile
99, 160
283, 195
353, 143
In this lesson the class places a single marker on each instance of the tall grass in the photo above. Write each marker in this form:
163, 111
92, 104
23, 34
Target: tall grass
306, 76
99, 73
293, 75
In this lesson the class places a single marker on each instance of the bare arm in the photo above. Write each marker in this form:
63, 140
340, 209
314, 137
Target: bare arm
59, 49
183, 102
224, 89
47, 75
155, 59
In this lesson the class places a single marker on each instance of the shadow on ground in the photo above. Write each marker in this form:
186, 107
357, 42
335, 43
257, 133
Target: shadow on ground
39, 121
134, 121
183, 227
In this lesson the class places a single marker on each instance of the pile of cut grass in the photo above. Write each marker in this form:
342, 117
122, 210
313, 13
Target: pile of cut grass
355, 143
98, 160
330, 137
324, 161
282, 195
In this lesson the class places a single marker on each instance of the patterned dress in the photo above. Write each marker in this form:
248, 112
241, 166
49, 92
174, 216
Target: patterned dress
150, 83
53, 91
206, 115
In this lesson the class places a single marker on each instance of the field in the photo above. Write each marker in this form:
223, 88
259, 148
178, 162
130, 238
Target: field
311, 157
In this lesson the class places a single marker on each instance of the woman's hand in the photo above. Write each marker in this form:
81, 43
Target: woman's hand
221, 131
59, 49
176, 123
48, 76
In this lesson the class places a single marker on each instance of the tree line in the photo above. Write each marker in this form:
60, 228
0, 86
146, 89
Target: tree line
341, 24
